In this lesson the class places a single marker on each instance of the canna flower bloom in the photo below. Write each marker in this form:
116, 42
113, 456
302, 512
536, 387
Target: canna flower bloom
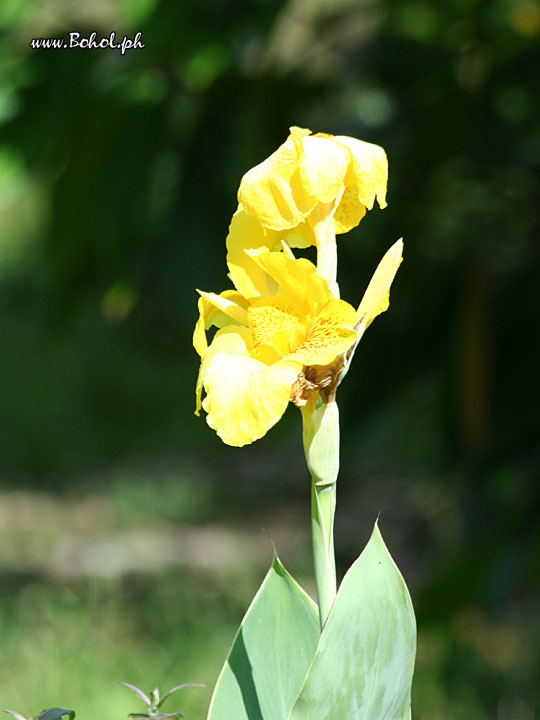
310, 170
309, 189
283, 336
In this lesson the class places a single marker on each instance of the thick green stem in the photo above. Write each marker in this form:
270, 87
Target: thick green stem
321, 446
323, 506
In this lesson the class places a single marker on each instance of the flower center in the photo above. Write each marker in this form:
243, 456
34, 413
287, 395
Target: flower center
276, 329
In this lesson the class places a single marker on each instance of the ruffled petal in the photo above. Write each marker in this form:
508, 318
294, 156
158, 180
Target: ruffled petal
297, 279
273, 192
368, 170
245, 397
377, 296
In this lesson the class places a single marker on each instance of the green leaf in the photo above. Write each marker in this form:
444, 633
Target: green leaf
271, 653
364, 663
137, 690
55, 714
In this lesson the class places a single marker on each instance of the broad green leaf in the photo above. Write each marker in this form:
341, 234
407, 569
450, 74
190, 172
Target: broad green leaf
363, 666
271, 653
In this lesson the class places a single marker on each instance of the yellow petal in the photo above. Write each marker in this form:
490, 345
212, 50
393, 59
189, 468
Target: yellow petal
330, 333
300, 236
349, 212
297, 279
246, 233
245, 398
274, 322
210, 313
231, 308
377, 296
323, 167
232, 340
273, 192
368, 171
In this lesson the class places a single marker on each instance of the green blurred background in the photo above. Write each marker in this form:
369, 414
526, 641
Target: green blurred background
131, 539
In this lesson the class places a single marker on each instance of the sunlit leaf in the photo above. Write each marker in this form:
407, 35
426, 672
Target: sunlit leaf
364, 663
270, 654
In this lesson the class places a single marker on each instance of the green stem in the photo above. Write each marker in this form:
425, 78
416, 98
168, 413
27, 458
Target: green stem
321, 446
323, 506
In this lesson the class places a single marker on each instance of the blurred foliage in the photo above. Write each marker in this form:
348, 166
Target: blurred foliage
118, 176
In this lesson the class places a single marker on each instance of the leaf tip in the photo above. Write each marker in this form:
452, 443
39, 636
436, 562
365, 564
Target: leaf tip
377, 538
277, 565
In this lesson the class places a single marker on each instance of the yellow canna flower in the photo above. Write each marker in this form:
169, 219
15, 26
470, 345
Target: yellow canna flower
312, 187
308, 170
290, 339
